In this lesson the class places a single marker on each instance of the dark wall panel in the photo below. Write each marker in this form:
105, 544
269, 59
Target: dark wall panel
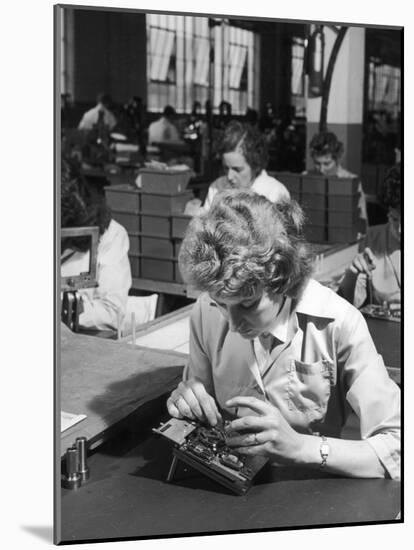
275, 63
91, 59
110, 55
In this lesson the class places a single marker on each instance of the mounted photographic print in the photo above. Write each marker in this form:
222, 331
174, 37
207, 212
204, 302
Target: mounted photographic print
228, 305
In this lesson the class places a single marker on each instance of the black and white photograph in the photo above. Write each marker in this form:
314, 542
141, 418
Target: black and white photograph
227, 218
230, 273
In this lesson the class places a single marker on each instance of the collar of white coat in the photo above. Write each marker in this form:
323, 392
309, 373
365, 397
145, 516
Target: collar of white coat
317, 300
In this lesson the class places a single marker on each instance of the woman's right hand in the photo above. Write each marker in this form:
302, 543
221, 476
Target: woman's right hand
364, 262
191, 400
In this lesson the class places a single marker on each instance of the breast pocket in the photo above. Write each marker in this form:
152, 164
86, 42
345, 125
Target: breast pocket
309, 387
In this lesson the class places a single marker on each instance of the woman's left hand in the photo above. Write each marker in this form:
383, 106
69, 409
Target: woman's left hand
267, 434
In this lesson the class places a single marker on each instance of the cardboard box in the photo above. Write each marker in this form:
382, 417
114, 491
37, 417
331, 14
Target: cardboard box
313, 184
166, 182
313, 201
342, 186
177, 246
130, 220
122, 177
178, 278
342, 234
315, 233
156, 224
134, 242
315, 217
290, 180
157, 269
343, 218
159, 247
135, 262
123, 198
343, 202
165, 204
179, 224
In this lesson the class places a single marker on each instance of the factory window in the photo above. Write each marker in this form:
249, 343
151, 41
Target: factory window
297, 81
197, 58
163, 48
239, 74
384, 87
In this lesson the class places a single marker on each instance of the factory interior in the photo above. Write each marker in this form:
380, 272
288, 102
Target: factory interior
190, 149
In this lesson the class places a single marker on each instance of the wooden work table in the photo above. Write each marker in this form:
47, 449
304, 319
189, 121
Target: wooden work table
127, 496
122, 389
108, 380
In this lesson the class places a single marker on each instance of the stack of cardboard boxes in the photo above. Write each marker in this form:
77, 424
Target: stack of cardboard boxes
330, 205
153, 217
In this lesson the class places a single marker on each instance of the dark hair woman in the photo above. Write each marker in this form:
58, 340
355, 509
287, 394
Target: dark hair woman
244, 155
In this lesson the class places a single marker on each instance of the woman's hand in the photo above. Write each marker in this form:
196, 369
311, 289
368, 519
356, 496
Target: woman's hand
267, 434
191, 400
364, 262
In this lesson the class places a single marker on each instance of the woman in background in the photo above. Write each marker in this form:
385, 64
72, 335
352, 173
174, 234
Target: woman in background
374, 276
103, 307
326, 152
244, 155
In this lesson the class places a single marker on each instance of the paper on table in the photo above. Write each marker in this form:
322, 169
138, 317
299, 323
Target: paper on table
69, 419
175, 336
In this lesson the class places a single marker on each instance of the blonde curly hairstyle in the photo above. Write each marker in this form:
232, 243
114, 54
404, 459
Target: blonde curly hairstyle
244, 243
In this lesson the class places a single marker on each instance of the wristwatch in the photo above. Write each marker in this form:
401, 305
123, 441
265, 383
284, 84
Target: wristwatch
324, 450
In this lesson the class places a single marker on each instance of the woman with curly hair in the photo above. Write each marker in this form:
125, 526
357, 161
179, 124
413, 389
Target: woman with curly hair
285, 356
374, 275
244, 155
103, 307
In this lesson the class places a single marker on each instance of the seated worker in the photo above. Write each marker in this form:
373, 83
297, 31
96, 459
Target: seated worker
375, 273
285, 355
105, 305
244, 155
91, 117
326, 151
164, 130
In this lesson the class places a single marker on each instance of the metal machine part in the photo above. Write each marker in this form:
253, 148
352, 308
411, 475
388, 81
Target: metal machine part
204, 448
83, 468
385, 311
87, 279
69, 286
71, 309
72, 479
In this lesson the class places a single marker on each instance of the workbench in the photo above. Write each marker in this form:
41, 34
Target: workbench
127, 496
108, 380
123, 387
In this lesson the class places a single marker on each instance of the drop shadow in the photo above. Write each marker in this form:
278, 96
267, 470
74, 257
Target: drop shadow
43, 532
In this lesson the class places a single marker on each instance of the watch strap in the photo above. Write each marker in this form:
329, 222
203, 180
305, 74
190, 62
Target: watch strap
324, 451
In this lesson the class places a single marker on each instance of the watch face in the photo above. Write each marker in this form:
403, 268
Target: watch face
324, 449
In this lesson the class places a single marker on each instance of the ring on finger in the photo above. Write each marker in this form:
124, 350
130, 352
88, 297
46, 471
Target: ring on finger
255, 440
177, 400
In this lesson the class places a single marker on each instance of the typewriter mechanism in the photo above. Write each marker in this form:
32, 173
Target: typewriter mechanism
204, 448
